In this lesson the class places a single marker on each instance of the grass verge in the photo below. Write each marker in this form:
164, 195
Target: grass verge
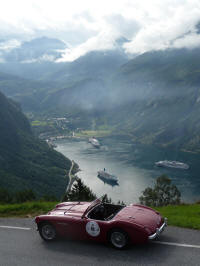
27, 209
185, 215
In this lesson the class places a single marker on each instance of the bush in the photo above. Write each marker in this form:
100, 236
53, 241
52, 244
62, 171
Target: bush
163, 193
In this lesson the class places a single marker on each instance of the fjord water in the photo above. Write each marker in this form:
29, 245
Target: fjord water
133, 164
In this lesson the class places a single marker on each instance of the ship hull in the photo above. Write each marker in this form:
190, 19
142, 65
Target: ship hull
172, 164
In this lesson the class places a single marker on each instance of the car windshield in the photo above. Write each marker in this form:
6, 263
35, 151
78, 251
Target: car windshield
94, 203
104, 211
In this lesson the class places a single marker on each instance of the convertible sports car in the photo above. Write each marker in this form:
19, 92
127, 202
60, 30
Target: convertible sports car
104, 222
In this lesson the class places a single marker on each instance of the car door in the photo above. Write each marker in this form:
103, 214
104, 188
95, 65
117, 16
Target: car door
84, 228
71, 226
95, 229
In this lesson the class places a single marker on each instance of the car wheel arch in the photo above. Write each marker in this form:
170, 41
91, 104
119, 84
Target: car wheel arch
111, 230
53, 231
44, 222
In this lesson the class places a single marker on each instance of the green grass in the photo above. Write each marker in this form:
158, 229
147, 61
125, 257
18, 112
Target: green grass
96, 133
186, 215
27, 209
38, 123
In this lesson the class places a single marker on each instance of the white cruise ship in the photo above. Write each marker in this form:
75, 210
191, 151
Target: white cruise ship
94, 142
107, 176
172, 164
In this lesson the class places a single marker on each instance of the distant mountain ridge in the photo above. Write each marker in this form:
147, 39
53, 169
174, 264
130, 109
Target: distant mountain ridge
153, 98
25, 161
40, 49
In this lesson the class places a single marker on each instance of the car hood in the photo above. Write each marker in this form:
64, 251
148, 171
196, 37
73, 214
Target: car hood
70, 208
141, 215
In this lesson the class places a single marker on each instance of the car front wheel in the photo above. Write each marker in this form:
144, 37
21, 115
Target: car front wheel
119, 239
47, 232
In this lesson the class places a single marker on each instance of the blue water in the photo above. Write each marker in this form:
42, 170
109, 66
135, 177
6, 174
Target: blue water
133, 164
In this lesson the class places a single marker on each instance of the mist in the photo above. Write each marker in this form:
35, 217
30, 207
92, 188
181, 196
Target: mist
89, 26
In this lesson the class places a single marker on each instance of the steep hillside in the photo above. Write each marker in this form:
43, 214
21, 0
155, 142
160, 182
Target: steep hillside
27, 92
25, 161
158, 94
98, 64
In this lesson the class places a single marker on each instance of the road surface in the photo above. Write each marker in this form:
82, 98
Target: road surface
20, 244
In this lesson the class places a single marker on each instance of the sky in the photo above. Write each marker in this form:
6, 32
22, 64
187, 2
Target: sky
95, 25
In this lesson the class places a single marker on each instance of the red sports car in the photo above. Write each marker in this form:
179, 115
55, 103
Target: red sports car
99, 221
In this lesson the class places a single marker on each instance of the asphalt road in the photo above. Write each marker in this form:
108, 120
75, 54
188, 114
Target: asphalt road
23, 246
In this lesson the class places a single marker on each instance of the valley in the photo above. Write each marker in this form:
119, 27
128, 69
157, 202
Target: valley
149, 100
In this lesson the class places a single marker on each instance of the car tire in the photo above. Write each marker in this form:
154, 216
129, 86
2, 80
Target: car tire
47, 231
119, 239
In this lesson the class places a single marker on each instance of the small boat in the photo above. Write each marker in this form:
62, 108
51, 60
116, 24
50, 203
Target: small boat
94, 142
106, 177
172, 164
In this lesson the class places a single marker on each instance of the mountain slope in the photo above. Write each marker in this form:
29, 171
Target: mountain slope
158, 93
39, 49
153, 98
27, 92
100, 64
25, 161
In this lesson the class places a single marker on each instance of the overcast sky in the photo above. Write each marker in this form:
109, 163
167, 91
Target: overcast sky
94, 25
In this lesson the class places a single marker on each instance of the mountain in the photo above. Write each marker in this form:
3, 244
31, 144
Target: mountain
94, 64
43, 85
37, 60
83, 83
25, 161
33, 59
158, 95
39, 49
27, 92
100, 64
153, 98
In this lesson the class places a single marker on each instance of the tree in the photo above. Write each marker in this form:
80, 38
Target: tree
106, 199
163, 193
5, 196
48, 197
79, 192
24, 195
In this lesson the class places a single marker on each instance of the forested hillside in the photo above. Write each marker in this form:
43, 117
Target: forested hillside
25, 161
158, 93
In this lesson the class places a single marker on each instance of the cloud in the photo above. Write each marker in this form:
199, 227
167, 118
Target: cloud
174, 28
9, 45
93, 25
103, 41
44, 58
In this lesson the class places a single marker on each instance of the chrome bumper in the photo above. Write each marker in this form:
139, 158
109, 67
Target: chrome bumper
158, 230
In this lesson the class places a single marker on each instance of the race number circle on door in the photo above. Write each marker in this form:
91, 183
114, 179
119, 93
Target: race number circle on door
92, 228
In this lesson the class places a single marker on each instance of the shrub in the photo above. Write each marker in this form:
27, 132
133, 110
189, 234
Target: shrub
163, 193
